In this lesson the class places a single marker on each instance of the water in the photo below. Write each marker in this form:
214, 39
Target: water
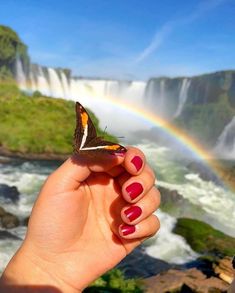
217, 205
183, 95
225, 147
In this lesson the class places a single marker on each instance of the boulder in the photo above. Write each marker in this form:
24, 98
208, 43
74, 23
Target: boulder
7, 235
138, 264
191, 280
9, 193
170, 196
8, 220
224, 269
175, 204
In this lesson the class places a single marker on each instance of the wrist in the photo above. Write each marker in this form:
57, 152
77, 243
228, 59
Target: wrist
26, 273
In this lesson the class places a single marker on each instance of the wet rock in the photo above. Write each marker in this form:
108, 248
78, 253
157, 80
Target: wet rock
7, 235
25, 221
2, 212
190, 280
176, 205
141, 265
224, 269
8, 220
170, 196
9, 193
204, 172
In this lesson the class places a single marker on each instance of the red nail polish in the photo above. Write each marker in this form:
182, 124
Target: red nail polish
137, 162
134, 190
133, 213
127, 229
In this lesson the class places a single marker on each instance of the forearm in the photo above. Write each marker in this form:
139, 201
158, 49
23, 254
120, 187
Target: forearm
22, 275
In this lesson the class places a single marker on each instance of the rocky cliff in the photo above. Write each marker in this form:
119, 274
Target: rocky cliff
11, 49
202, 105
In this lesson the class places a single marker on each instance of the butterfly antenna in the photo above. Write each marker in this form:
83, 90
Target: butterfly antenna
105, 129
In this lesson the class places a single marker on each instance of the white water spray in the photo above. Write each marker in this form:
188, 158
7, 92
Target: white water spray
183, 95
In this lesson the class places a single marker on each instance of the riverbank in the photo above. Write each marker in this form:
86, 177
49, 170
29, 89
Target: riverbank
4, 152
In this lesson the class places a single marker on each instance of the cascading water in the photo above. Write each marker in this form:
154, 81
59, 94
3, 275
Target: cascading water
20, 75
55, 83
183, 95
225, 147
162, 95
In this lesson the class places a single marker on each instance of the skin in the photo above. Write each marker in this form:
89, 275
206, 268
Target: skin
74, 233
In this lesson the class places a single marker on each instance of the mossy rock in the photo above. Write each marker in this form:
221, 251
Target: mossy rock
203, 238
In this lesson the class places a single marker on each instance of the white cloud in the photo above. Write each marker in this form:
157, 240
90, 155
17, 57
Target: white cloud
161, 35
156, 42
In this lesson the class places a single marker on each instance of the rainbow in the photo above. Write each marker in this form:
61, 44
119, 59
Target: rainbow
158, 121
177, 134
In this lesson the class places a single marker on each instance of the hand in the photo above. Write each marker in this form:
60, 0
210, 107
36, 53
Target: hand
88, 216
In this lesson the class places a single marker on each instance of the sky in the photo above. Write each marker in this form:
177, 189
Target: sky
127, 39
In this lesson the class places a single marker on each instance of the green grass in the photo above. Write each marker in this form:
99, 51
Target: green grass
203, 238
37, 124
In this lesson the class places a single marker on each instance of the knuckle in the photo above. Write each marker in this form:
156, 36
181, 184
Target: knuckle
156, 223
150, 172
156, 197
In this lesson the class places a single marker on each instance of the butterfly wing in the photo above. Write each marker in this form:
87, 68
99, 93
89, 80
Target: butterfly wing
85, 136
85, 130
100, 145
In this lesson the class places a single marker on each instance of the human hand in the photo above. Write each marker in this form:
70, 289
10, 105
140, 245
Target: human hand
88, 216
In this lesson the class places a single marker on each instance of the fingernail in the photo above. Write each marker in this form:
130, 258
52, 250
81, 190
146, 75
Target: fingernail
127, 229
133, 213
120, 153
134, 190
137, 162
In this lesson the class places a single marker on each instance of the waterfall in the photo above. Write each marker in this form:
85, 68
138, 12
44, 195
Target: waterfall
20, 75
55, 84
42, 83
183, 95
225, 146
162, 95
65, 85
155, 96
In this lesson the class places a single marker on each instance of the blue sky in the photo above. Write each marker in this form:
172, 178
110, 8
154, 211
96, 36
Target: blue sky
126, 38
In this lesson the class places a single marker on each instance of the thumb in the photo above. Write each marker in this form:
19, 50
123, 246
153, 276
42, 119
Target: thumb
77, 169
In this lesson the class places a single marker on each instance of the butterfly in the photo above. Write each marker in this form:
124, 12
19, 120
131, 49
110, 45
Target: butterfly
86, 140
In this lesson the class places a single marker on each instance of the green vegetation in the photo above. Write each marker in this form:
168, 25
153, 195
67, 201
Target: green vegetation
206, 121
37, 124
114, 281
203, 238
11, 47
